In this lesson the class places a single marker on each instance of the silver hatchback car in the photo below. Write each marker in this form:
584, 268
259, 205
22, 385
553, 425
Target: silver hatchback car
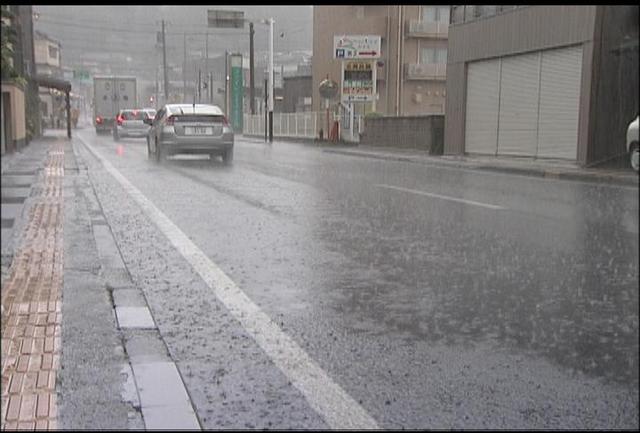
190, 129
130, 123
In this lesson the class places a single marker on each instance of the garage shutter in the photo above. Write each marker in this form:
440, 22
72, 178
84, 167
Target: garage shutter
483, 90
518, 118
560, 79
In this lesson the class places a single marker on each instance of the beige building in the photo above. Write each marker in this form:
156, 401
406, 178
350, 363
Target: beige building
413, 45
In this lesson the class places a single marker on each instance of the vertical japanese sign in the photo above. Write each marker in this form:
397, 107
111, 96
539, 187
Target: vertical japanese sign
358, 81
237, 92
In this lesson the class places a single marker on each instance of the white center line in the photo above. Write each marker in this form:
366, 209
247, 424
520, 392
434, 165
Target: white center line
443, 197
338, 409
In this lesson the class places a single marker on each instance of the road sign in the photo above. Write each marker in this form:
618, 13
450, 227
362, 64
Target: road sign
81, 75
358, 81
237, 92
225, 19
328, 88
356, 47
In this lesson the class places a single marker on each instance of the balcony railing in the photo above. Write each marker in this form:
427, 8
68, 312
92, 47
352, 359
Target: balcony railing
427, 71
438, 30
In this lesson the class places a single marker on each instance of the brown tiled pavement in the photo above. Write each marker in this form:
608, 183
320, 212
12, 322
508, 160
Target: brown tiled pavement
31, 309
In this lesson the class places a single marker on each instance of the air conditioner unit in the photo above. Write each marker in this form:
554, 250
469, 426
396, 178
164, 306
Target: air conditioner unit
417, 98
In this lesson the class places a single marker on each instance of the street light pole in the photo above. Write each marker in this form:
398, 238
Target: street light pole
270, 102
252, 102
164, 62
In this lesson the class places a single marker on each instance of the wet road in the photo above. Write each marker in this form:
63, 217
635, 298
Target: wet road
435, 297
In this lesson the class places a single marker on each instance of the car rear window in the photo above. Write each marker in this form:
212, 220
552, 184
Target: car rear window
133, 115
198, 118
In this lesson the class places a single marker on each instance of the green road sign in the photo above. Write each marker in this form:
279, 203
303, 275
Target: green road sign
81, 75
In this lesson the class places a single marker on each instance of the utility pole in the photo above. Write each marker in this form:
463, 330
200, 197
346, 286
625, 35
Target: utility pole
210, 87
184, 71
266, 112
206, 53
271, 21
164, 62
226, 56
156, 88
199, 85
252, 102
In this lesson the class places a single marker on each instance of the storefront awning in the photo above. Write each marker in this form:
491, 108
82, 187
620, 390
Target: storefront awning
53, 83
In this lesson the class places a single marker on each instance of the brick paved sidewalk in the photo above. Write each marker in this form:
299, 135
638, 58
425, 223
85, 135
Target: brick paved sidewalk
31, 302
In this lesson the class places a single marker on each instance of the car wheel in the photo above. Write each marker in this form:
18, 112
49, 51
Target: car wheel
227, 156
634, 156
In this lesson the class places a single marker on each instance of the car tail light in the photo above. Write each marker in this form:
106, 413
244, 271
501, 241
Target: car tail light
98, 119
225, 121
120, 119
171, 120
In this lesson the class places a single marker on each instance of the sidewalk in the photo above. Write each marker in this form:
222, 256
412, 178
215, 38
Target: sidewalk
31, 294
556, 169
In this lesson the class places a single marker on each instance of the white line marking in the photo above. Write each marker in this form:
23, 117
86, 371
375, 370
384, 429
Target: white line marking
444, 197
338, 409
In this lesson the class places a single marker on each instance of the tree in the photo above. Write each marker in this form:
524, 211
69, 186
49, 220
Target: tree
7, 42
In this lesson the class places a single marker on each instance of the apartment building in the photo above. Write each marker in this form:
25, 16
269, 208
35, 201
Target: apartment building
557, 82
411, 72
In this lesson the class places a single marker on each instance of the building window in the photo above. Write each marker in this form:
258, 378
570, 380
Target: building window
435, 14
53, 52
433, 55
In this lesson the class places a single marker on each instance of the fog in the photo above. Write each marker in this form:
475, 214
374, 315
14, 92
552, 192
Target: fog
123, 38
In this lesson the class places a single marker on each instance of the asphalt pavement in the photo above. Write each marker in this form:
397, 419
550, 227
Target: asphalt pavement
425, 296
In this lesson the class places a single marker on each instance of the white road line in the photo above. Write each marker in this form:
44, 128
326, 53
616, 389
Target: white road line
338, 409
444, 197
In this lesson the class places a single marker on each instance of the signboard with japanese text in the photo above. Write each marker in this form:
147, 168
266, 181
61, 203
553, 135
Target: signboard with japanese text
356, 47
358, 81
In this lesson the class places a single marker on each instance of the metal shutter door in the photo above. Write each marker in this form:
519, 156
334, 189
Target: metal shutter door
560, 79
518, 120
483, 90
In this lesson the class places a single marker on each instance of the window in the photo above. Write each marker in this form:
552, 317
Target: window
433, 55
433, 14
53, 52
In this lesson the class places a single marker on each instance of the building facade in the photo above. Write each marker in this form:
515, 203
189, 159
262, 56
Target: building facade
47, 55
557, 82
297, 89
20, 119
411, 72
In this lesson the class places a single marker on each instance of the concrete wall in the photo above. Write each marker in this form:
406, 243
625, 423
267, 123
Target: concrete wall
415, 132
517, 31
18, 121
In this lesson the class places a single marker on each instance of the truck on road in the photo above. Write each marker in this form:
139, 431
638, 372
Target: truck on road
110, 95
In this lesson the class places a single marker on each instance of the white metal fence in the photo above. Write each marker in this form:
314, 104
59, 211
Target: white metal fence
303, 124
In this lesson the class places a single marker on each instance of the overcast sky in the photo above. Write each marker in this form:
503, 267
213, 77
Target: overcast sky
129, 32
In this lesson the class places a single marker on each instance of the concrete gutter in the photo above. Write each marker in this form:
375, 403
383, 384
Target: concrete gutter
552, 169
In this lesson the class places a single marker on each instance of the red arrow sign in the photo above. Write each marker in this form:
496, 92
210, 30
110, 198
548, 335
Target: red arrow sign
367, 53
